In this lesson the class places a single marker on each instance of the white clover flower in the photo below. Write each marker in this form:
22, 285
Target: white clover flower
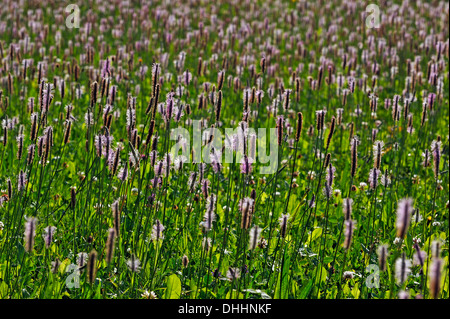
436, 224
149, 295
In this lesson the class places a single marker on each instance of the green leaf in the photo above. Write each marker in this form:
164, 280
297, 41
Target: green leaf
315, 234
173, 290
305, 291
263, 197
322, 276
235, 295
281, 289
356, 292
3, 290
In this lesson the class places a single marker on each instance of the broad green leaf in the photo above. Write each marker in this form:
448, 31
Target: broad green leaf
173, 290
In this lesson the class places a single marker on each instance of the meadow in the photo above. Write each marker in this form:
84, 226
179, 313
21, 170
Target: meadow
224, 149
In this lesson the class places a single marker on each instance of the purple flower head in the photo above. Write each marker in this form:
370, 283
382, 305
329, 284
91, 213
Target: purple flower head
373, 177
246, 165
404, 211
48, 235
330, 175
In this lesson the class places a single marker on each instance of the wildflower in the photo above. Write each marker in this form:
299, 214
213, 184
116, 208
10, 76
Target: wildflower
280, 124
114, 160
233, 273
49, 231
299, 126
347, 208
283, 224
396, 108
286, 99
187, 77
116, 216
340, 112
157, 230
402, 269
311, 175
410, 128
192, 181
382, 256
19, 139
377, 153
436, 151
255, 234
419, 256
73, 198
330, 174
179, 161
133, 263
167, 160
210, 216
246, 165
246, 99
348, 275
354, 156
185, 261
331, 132
110, 245
158, 168
134, 158
436, 248
149, 295
404, 210
385, 179
435, 277
327, 191
68, 129
349, 229
232, 142
245, 206
215, 157
82, 259
320, 120
92, 266
373, 177
178, 113
123, 173
205, 187
21, 181
169, 108
30, 233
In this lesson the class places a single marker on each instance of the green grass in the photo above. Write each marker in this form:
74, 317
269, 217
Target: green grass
309, 261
